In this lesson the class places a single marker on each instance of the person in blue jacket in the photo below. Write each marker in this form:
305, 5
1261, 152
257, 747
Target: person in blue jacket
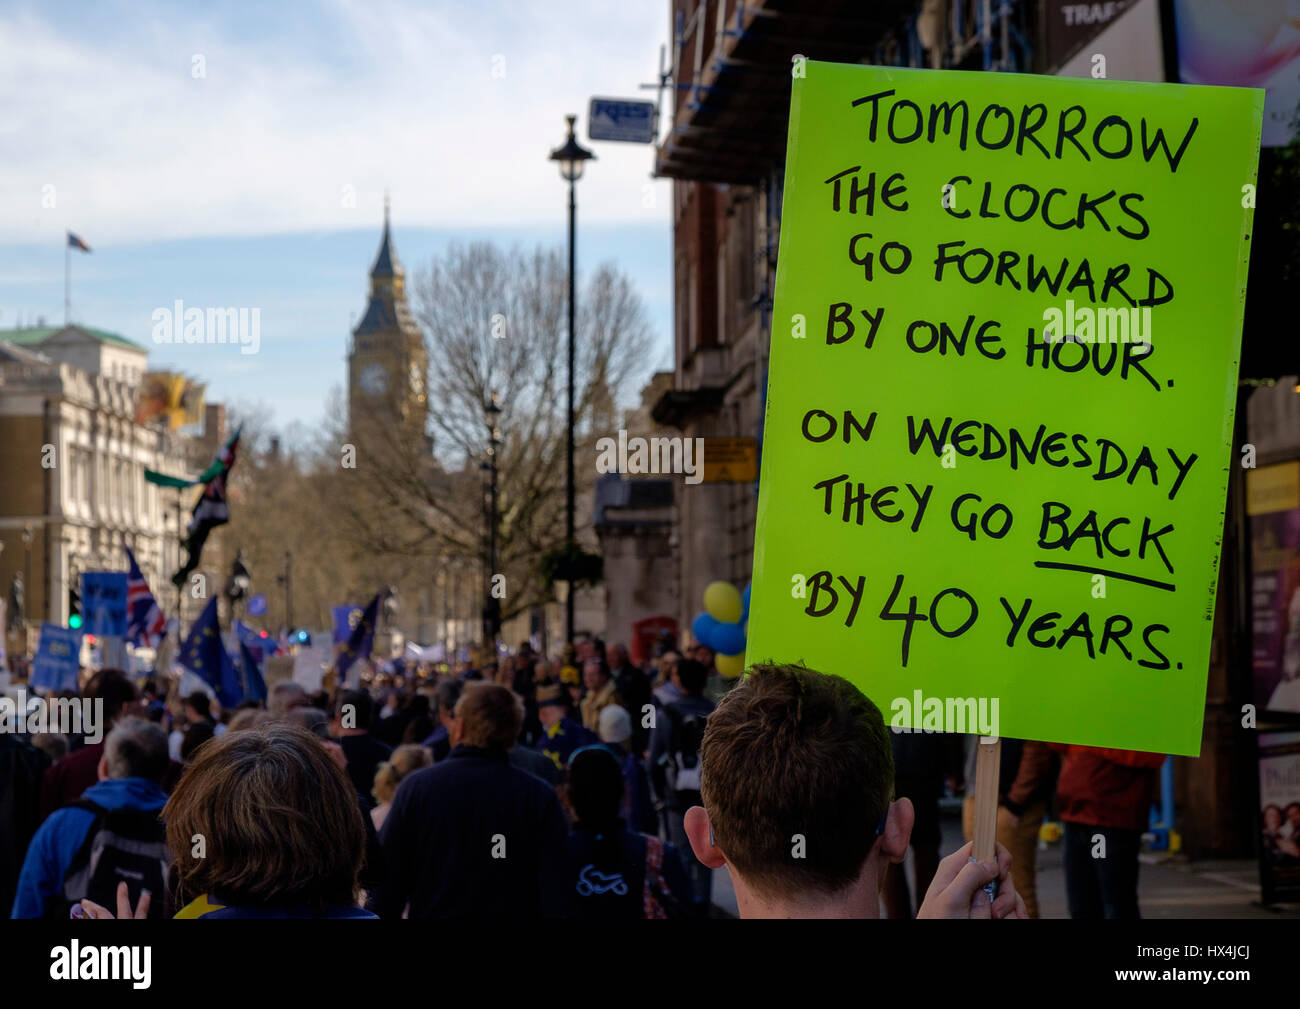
561, 735
135, 760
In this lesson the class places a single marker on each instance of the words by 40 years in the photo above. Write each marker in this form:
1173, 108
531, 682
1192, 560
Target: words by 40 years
1075, 533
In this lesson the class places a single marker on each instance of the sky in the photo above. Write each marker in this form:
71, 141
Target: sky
238, 156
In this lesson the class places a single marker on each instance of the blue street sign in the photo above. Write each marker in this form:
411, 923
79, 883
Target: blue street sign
622, 119
103, 603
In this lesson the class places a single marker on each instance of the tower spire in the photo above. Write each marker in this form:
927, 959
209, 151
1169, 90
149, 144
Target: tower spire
386, 264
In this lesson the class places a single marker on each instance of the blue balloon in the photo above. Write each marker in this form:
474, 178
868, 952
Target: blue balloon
744, 603
728, 639
257, 605
703, 627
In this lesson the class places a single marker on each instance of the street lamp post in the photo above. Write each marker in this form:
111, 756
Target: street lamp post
286, 580
491, 611
484, 621
443, 565
571, 157
27, 572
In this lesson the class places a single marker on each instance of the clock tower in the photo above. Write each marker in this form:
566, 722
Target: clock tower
387, 363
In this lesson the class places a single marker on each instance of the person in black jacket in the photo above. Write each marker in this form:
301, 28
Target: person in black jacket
473, 836
633, 686
613, 872
353, 713
21, 769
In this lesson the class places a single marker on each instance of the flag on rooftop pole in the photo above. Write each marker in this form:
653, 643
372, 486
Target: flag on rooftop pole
74, 242
211, 510
145, 624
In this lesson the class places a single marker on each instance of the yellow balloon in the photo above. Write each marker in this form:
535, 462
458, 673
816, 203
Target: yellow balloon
722, 602
730, 666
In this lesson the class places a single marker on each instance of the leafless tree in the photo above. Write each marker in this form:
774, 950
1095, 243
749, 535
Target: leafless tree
495, 321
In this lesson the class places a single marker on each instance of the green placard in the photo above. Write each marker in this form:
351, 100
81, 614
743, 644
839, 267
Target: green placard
1001, 394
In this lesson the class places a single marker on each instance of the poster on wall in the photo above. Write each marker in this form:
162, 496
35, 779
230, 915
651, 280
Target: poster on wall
1273, 507
1279, 800
1249, 45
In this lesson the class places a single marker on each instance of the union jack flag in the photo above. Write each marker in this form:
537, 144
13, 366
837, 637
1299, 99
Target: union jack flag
145, 624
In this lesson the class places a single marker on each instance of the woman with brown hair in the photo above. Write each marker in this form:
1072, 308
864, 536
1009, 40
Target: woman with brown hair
264, 824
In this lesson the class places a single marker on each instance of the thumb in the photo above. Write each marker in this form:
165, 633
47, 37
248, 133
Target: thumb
961, 893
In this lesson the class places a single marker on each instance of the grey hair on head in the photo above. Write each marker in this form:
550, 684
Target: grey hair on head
137, 748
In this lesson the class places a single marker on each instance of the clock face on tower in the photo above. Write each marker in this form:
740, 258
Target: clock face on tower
374, 380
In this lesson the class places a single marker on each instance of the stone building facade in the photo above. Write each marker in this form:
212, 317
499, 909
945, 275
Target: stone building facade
72, 462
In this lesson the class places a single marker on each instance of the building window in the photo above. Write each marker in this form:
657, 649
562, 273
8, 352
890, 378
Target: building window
725, 335
746, 252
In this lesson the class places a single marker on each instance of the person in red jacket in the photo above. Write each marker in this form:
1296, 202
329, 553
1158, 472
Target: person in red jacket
1104, 798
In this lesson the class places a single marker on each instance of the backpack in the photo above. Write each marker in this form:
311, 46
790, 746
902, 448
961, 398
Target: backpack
684, 741
121, 844
657, 900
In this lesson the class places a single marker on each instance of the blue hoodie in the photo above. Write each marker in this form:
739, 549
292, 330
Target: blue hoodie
60, 837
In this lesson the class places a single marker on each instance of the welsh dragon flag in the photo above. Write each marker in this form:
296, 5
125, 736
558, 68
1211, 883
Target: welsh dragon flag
212, 509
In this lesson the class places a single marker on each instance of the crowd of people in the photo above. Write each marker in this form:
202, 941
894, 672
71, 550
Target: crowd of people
521, 787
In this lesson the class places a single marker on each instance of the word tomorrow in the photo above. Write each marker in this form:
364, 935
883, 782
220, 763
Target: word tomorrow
651, 455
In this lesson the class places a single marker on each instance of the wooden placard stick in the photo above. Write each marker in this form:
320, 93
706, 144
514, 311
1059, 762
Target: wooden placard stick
988, 761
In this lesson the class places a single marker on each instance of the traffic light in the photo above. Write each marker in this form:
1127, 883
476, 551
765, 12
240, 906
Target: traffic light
74, 609
240, 579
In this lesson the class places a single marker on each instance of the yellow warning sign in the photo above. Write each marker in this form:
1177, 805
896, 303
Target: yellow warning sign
730, 460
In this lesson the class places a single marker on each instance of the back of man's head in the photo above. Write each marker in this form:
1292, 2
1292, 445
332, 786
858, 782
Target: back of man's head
199, 703
692, 676
285, 696
314, 720
447, 694
136, 748
115, 689
356, 708
491, 716
791, 751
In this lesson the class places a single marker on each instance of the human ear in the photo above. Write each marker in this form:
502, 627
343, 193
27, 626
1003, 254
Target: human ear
898, 830
700, 834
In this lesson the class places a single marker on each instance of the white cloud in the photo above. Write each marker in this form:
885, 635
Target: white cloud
373, 94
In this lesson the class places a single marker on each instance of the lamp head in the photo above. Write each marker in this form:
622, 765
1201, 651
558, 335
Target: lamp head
572, 155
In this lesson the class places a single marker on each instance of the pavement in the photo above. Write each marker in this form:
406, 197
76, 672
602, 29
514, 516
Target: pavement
1169, 886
